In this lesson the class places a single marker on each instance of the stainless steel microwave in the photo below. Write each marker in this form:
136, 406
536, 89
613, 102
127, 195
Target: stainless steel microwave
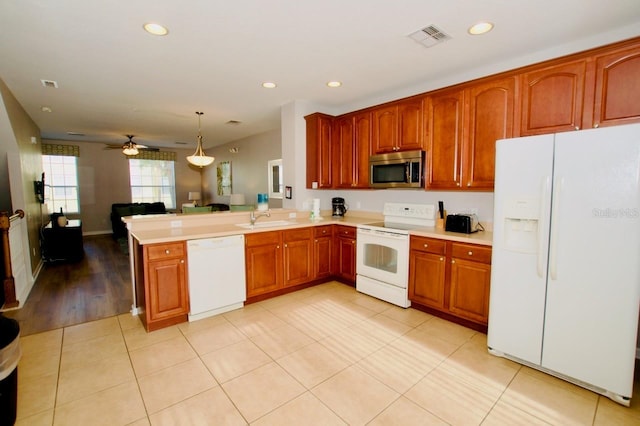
402, 169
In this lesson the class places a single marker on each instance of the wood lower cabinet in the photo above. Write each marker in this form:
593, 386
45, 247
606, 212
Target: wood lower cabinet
166, 294
322, 250
263, 262
450, 277
345, 253
298, 256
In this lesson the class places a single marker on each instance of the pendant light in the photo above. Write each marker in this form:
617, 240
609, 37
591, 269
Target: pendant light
199, 158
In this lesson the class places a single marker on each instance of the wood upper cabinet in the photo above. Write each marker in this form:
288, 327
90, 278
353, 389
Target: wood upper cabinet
165, 281
427, 268
491, 107
444, 151
398, 127
617, 88
263, 262
345, 253
319, 166
298, 256
470, 281
553, 98
464, 125
351, 147
322, 250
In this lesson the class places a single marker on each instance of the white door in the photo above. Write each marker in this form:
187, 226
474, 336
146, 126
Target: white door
593, 290
520, 241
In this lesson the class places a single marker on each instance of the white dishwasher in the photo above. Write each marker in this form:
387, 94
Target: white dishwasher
216, 275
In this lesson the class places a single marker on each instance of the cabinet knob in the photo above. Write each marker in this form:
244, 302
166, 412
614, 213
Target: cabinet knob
353, 242
166, 251
316, 241
286, 245
468, 184
441, 259
596, 125
453, 261
470, 253
457, 183
182, 261
426, 245
577, 127
278, 246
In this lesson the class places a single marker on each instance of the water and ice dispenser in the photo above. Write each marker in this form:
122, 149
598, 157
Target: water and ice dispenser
522, 220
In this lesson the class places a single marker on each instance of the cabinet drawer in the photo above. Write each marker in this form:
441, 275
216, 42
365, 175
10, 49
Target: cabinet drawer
165, 251
471, 252
322, 231
297, 234
428, 245
345, 231
262, 238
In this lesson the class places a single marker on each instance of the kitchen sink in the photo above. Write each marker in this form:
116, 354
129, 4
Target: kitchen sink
266, 224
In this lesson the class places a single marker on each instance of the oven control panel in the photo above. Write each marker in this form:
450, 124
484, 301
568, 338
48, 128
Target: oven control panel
412, 211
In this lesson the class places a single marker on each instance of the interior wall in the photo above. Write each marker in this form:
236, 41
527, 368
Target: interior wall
22, 142
249, 171
103, 176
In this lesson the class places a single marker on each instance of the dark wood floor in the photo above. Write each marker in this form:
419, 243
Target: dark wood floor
99, 286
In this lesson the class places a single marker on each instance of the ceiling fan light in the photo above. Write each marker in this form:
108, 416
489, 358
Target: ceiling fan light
199, 158
129, 150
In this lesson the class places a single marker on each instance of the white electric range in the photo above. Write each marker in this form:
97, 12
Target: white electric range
382, 256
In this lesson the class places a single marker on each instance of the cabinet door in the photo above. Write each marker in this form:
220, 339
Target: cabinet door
445, 115
385, 129
346, 258
617, 88
410, 125
469, 289
344, 153
362, 149
427, 278
552, 99
167, 296
298, 262
491, 115
263, 262
322, 256
319, 150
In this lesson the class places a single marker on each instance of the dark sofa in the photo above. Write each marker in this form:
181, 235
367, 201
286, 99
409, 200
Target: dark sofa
120, 210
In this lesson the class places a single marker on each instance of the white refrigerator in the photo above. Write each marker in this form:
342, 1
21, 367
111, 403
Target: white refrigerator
565, 273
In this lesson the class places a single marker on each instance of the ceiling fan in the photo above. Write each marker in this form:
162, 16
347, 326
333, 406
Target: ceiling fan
130, 147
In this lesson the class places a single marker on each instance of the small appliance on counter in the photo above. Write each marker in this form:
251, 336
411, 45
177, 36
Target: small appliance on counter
338, 208
465, 223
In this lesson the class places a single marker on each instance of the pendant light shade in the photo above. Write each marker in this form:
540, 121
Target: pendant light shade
199, 158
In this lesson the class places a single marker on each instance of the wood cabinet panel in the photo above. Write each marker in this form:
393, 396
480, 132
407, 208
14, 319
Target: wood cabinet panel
469, 293
298, 256
427, 278
471, 252
385, 129
444, 152
491, 117
552, 98
362, 149
345, 253
617, 88
166, 295
263, 262
319, 134
398, 127
322, 249
351, 145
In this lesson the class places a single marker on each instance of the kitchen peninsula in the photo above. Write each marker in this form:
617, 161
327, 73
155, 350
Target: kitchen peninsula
298, 252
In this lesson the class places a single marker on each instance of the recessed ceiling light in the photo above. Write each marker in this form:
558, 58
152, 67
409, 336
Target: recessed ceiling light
155, 29
481, 28
334, 84
269, 85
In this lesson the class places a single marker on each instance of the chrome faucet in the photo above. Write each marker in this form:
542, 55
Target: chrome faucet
253, 217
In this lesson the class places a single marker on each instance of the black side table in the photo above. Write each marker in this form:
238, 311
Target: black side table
63, 243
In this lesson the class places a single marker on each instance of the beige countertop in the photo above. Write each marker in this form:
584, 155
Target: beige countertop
164, 232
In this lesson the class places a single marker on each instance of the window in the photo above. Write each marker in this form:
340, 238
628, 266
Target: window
61, 183
151, 181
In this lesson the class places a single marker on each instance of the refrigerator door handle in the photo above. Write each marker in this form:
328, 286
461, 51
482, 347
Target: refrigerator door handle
553, 242
544, 197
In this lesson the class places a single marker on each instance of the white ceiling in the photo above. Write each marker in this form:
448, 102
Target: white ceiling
115, 79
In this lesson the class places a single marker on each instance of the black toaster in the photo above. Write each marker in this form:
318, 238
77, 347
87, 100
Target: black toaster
465, 223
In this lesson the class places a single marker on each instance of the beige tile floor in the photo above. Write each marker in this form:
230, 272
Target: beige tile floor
324, 355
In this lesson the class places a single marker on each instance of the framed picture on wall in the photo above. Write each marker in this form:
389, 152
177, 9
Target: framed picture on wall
224, 178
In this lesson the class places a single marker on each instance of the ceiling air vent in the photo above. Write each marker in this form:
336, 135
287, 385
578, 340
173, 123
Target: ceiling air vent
429, 36
233, 122
49, 83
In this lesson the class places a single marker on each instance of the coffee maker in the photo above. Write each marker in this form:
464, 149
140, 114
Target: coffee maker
338, 207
